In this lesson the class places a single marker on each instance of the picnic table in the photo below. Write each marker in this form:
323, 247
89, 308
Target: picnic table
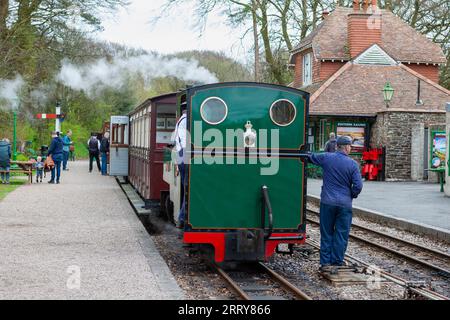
440, 172
25, 167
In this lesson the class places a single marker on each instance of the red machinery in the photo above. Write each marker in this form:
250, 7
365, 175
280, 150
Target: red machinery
373, 166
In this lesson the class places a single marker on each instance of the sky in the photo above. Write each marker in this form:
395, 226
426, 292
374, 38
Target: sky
132, 26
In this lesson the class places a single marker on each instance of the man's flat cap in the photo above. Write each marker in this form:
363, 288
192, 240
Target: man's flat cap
344, 140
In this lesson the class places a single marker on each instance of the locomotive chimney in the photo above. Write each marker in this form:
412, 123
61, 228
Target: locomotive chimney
325, 14
364, 27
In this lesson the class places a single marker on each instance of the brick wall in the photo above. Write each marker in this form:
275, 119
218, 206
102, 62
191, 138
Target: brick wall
327, 69
298, 71
364, 30
430, 71
393, 129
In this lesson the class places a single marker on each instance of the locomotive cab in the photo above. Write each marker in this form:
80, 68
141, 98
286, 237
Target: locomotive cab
246, 169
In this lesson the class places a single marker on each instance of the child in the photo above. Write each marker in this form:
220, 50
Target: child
39, 169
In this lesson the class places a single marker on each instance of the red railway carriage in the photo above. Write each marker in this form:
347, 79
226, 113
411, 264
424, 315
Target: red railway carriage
151, 127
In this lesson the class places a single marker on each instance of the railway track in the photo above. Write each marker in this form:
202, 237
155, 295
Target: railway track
260, 283
413, 289
428, 257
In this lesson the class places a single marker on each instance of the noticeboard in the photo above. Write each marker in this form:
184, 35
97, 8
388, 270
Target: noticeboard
438, 149
356, 131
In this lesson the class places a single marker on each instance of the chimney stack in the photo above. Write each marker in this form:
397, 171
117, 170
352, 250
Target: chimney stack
363, 27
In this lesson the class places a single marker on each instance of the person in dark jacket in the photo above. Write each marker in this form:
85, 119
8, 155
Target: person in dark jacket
94, 151
341, 184
5, 162
331, 144
104, 150
56, 152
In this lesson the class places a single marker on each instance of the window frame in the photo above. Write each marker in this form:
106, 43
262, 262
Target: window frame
271, 116
209, 122
307, 80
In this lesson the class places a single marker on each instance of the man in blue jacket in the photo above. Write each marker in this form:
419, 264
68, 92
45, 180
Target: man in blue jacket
341, 184
56, 152
5, 156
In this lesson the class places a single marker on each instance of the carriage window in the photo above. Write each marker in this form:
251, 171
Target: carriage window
213, 110
283, 112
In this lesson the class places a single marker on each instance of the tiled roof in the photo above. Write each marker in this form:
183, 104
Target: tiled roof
402, 42
356, 90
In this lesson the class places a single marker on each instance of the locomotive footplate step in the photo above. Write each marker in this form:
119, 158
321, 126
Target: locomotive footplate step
135, 200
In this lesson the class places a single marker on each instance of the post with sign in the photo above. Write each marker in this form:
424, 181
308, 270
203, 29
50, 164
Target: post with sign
58, 114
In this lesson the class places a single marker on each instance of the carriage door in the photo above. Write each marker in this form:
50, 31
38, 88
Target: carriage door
225, 193
119, 146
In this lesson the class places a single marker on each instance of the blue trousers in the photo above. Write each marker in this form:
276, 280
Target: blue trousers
5, 175
65, 159
182, 214
56, 168
335, 225
104, 163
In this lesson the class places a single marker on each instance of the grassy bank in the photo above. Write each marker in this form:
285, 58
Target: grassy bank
15, 182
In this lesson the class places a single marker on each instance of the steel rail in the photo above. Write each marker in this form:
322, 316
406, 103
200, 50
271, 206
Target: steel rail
426, 293
277, 278
285, 283
380, 233
395, 252
232, 283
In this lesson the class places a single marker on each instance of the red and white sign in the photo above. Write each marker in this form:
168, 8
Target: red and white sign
46, 116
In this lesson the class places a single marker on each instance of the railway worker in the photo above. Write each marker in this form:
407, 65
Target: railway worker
104, 150
94, 151
5, 160
341, 184
66, 148
56, 152
180, 146
330, 146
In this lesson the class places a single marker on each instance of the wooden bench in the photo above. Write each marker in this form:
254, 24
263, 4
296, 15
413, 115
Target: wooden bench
24, 167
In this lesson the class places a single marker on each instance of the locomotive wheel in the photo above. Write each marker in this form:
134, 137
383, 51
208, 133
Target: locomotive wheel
168, 208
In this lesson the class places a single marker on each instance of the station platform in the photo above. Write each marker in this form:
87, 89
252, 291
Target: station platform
414, 203
78, 240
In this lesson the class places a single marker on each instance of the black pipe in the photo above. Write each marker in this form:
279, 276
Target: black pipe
418, 102
266, 204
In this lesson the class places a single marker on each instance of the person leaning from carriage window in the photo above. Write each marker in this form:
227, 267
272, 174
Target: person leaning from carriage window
341, 184
5, 160
331, 144
56, 152
104, 150
94, 151
180, 147
66, 148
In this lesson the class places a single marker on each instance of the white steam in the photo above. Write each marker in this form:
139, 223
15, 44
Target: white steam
103, 74
10, 91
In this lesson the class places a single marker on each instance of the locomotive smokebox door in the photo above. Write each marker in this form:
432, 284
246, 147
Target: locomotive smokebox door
245, 136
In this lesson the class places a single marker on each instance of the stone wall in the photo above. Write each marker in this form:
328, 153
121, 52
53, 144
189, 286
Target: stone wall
394, 130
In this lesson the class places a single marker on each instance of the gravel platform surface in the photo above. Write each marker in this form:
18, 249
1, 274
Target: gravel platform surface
78, 240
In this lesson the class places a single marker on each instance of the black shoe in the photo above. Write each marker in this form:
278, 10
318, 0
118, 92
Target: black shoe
51, 181
180, 225
57, 182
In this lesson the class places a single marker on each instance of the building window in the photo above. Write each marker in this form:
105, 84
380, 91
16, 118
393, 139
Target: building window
307, 69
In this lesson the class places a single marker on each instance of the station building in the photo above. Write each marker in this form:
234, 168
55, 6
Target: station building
347, 62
